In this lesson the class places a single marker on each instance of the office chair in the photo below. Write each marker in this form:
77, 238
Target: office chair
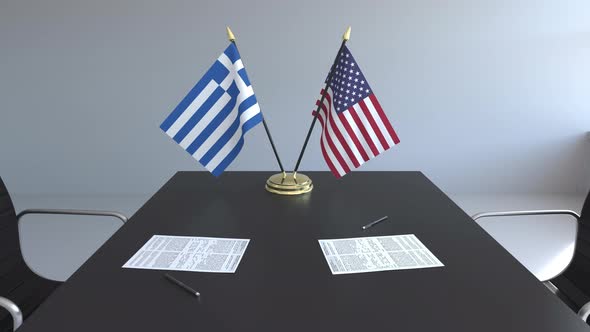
572, 283
21, 289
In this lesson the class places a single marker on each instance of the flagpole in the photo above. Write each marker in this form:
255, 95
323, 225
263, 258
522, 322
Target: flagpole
345, 38
232, 39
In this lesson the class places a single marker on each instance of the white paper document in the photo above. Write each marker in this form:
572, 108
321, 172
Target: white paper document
378, 253
188, 253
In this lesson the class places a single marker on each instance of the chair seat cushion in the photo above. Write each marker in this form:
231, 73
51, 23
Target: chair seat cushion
574, 283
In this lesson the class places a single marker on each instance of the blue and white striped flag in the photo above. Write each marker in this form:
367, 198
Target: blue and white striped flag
210, 122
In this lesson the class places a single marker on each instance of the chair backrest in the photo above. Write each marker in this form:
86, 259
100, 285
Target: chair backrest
17, 282
574, 283
9, 242
10, 253
585, 214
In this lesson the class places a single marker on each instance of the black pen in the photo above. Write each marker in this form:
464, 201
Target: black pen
182, 285
371, 224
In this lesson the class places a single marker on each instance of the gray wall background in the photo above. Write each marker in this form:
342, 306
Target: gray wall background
487, 96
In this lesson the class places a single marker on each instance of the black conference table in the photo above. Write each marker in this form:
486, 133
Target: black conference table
283, 282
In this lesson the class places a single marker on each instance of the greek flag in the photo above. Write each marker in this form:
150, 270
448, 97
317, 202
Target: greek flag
210, 122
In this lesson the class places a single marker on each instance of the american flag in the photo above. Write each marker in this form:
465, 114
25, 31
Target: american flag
354, 126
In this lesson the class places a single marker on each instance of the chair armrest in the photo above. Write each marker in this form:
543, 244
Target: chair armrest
117, 215
524, 213
14, 310
584, 311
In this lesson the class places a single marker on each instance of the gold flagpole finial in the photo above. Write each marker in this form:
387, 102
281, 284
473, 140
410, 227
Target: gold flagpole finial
230, 35
346, 35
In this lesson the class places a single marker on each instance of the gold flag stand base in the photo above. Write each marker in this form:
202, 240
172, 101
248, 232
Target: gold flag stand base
289, 184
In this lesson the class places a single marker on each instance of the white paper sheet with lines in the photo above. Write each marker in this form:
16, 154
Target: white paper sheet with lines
188, 253
378, 253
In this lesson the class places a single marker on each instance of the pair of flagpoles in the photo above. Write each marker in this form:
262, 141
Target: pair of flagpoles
288, 184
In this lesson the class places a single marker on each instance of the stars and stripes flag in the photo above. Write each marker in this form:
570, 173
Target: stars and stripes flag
354, 126
210, 122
